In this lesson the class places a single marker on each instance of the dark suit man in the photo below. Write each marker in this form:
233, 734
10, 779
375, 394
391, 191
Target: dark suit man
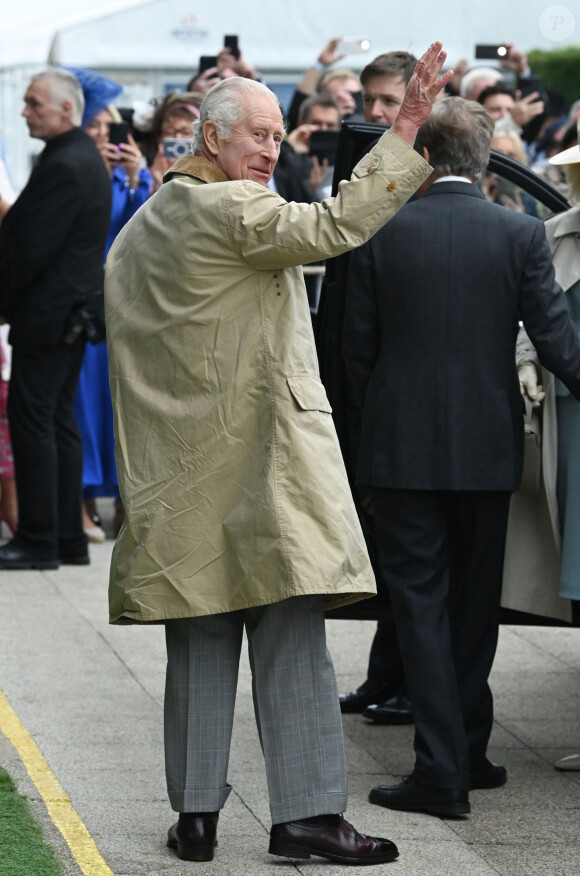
430, 335
51, 262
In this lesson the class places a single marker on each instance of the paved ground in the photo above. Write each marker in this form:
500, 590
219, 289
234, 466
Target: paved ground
91, 697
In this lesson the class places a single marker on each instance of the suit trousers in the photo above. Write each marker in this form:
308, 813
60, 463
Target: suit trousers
441, 554
46, 444
385, 662
295, 704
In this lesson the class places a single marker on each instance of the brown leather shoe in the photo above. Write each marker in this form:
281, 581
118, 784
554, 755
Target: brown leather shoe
332, 837
194, 836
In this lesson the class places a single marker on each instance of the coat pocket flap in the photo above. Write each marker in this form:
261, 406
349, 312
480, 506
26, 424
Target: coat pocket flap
308, 392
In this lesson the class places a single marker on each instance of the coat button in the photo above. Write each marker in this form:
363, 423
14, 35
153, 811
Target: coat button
392, 186
370, 168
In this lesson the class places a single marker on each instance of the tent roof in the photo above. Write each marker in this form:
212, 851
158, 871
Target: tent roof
274, 36
27, 29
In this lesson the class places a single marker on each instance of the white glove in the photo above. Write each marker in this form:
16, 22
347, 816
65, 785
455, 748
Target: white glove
528, 377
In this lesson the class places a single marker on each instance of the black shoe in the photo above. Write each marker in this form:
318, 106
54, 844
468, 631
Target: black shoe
194, 836
14, 557
397, 710
75, 560
487, 775
369, 692
409, 796
331, 837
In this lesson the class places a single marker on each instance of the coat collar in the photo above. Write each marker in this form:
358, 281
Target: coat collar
198, 167
458, 188
562, 232
566, 223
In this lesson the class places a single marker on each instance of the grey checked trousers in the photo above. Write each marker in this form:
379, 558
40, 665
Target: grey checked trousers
295, 703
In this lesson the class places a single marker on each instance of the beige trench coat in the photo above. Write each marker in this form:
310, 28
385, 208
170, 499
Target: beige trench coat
229, 466
533, 560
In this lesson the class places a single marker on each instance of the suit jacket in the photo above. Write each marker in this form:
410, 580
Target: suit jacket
52, 240
430, 331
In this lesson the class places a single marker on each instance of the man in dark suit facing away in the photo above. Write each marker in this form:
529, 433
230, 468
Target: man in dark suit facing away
51, 264
432, 317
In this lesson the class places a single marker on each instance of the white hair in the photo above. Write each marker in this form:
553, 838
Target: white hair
223, 106
471, 77
65, 86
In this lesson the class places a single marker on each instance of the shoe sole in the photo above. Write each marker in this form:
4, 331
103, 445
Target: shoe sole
35, 564
191, 852
487, 785
74, 561
441, 810
403, 719
292, 850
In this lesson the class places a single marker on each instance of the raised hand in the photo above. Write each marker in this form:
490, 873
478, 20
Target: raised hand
329, 55
424, 88
527, 108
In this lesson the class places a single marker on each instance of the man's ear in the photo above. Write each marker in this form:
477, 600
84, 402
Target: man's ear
426, 154
210, 137
67, 108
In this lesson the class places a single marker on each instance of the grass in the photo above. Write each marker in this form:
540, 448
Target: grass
23, 851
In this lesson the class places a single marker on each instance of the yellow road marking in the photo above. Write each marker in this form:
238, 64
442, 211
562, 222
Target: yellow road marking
60, 809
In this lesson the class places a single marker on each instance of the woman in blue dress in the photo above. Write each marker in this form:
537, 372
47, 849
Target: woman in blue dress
131, 186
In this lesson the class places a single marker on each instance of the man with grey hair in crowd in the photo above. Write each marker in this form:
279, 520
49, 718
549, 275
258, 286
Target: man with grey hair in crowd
52, 244
432, 315
239, 513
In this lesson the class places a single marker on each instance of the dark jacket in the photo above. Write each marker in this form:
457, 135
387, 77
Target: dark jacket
432, 317
52, 240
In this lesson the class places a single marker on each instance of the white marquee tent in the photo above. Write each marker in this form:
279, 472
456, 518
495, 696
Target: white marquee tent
150, 45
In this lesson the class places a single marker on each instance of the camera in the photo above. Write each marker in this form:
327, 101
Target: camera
207, 61
353, 46
324, 145
175, 148
485, 52
118, 132
231, 43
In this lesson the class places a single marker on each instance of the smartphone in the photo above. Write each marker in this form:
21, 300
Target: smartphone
231, 43
485, 52
324, 144
207, 61
353, 46
118, 132
176, 147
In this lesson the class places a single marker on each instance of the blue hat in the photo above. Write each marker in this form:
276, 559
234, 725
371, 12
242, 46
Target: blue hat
99, 91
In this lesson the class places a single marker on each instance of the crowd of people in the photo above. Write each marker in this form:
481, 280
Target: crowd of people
199, 409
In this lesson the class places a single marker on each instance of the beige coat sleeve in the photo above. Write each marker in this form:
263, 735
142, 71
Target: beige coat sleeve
271, 233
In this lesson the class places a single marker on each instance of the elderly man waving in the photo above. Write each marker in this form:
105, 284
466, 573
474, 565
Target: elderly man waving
239, 513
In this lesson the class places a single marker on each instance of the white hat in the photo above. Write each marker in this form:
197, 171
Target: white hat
568, 156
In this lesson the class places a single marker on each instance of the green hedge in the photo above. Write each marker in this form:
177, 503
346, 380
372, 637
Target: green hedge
559, 70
